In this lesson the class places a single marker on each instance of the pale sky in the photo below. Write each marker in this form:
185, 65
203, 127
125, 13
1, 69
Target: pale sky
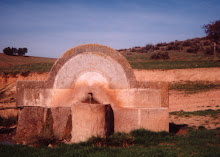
48, 28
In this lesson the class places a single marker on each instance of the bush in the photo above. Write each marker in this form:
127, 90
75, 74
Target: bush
143, 50
217, 49
162, 44
149, 47
191, 50
116, 140
170, 47
206, 43
187, 43
8, 121
209, 51
159, 55
14, 74
25, 73
157, 47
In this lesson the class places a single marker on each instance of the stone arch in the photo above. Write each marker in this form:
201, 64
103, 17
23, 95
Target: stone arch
105, 60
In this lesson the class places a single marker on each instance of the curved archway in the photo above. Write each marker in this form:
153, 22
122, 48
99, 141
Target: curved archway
102, 59
91, 62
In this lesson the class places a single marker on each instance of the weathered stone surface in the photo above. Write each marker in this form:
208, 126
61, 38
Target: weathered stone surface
126, 119
88, 120
156, 119
30, 124
80, 84
62, 122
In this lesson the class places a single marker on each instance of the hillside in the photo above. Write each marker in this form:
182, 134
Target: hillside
191, 53
17, 64
195, 45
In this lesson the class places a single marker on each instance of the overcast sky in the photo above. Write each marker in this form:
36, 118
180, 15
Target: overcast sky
48, 28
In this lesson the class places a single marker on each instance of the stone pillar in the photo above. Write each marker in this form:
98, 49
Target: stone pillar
88, 120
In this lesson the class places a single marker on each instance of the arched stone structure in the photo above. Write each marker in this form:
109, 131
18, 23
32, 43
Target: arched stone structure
86, 85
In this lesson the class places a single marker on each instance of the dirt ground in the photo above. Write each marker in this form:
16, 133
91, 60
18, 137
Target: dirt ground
178, 100
177, 75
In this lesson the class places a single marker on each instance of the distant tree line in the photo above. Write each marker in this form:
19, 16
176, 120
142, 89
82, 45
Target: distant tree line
14, 51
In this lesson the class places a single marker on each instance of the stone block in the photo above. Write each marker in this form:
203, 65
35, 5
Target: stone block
137, 97
88, 120
62, 122
30, 124
155, 119
126, 119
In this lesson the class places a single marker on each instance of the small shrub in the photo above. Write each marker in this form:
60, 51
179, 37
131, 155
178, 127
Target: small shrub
187, 43
190, 50
12, 120
14, 74
201, 127
209, 51
170, 47
149, 47
159, 55
25, 73
162, 44
133, 50
177, 47
120, 139
97, 141
157, 47
143, 50
217, 49
206, 43
116, 140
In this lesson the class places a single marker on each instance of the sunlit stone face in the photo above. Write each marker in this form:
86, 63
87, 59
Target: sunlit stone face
91, 66
91, 79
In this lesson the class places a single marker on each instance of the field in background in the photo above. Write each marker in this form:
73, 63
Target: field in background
19, 64
191, 53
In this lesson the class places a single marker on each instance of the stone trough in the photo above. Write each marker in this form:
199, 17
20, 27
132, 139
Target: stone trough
91, 91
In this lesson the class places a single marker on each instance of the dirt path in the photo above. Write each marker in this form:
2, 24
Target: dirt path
179, 100
176, 75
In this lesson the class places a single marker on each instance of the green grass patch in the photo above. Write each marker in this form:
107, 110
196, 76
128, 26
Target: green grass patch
178, 60
209, 112
145, 143
117, 140
173, 64
34, 67
194, 87
200, 142
136, 63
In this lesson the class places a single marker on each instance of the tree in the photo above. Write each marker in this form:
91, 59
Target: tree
8, 51
14, 51
22, 51
213, 33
